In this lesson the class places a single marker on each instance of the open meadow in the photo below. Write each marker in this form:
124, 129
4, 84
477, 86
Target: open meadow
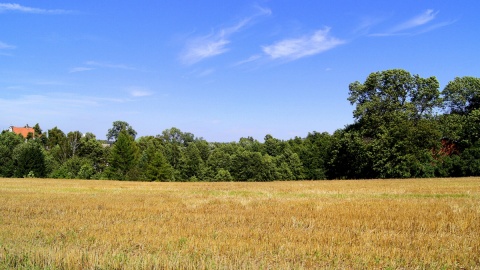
388, 224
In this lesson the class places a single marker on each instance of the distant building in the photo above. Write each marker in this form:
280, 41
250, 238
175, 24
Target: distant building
22, 131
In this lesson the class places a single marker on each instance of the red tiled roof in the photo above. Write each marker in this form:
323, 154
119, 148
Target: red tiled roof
23, 131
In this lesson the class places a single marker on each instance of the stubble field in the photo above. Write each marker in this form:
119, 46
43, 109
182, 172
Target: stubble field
79, 224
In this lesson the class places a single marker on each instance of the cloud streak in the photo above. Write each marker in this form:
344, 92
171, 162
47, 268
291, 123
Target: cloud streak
419, 24
202, 47
308, 45
6, 46
417, 21
139, 92
109, 65
250, 59
92, 65
80, 69
5, 7
53, 102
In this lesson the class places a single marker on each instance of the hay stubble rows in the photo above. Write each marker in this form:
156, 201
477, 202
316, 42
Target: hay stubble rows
74, 224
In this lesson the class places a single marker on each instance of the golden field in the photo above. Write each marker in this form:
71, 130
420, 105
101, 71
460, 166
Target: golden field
379, 224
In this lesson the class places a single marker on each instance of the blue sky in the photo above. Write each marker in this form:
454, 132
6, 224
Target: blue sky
218, 69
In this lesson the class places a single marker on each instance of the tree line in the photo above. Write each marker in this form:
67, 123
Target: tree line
404, 127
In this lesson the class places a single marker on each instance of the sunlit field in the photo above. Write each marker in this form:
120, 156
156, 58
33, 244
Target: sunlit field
75, 224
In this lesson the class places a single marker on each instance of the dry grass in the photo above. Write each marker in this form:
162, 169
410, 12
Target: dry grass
71, 224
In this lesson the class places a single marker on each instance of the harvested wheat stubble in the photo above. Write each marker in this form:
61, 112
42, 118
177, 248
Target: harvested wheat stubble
75, 224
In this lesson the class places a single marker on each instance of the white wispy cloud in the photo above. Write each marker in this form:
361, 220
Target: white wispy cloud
416, 21
250, 59
53, 101
204, 73
4, 45
295, 48
366, 24
14, 87
92, 65
108, 65
51, 83
24, 9
435, 26
206, 46
419, 24
80, 69
57, 109
47, 104
136, 91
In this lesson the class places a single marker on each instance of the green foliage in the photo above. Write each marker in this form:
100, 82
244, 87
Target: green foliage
153, 163
123, 158
252, 166
55, 137
272, 146
39, 135
398, 132
462, 95
191, 162
92, 149
117, 128
350, 156
59, 145
75, 168
314, 153
87, 171
470, 160
8, 142
176, 137
223, 175
288, 166
388, 95
29, 157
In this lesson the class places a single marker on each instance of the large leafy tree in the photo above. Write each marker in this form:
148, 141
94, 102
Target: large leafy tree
55, 137
153, 163
395, 120
93, 150
29, 158
158, 168
117, 127
176, 137
75, 167
272, 146
39, 135
392, 95
219, 162
350, 156
460, 127
123, 158
58, 145
191, 162
315, 152
462, 95
252, 166
8, 142
405, 150
288, 166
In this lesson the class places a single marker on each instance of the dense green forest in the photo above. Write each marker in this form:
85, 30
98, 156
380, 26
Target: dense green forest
405, 126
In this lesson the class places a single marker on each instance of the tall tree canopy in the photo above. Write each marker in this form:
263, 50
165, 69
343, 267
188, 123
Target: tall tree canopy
29, 159
8, 142
399, 131
462, 95
117, 127
123, 157
387, 96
